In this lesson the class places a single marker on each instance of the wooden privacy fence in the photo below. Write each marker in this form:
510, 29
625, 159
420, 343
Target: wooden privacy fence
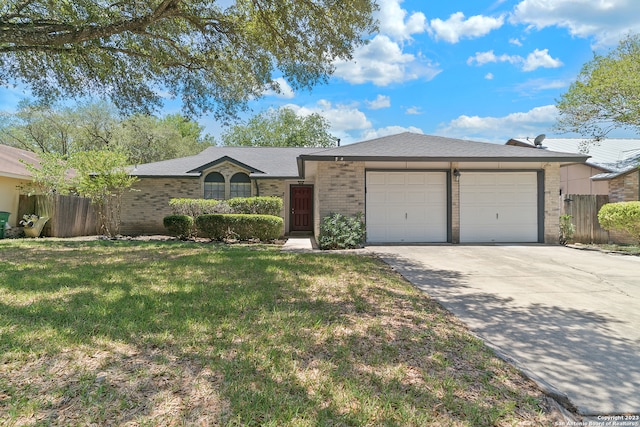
584, 212
70, 215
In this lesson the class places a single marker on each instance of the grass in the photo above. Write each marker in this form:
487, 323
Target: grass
171, 333
612, 247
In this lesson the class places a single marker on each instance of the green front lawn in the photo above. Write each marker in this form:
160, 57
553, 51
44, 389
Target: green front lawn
170, 333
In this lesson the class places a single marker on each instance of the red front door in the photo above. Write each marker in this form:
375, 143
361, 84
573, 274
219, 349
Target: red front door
301, 208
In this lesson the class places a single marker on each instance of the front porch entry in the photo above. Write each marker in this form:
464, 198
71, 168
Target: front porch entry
301, 214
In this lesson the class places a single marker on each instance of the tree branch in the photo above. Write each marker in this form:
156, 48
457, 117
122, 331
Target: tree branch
42, 33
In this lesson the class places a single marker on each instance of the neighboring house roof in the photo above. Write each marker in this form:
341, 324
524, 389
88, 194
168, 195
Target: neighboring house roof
11, 162
613, 156
261, 162
286, 162
418, 147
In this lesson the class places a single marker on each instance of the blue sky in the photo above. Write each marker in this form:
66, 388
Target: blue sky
473, 69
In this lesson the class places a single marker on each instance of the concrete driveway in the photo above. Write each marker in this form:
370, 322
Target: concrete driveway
570, 319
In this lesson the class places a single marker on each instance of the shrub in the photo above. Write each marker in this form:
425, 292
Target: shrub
566, 229
621, 216
338, 231
180, 226
239, 226
238, 205
256, 205
197, 207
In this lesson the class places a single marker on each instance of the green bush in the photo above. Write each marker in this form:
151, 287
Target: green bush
621, 216
239, 226
238, 205
566, 229
256, 205
338, 231
180, 226
196, 207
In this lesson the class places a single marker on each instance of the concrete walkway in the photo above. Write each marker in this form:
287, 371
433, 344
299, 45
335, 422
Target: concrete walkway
298, 244
569, 319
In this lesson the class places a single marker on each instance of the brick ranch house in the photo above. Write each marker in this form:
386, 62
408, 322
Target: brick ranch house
412, 188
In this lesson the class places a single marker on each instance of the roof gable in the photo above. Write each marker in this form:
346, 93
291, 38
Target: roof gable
263, 162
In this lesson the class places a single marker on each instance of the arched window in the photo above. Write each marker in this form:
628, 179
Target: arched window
214, 186
240, 185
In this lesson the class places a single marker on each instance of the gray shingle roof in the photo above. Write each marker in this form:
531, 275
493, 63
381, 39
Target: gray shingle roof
417, 147
614, 156
282, 162
262, 162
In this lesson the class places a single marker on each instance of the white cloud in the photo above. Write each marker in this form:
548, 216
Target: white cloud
380, 102
536, 59
500, 129
516, 42
382, 62
393, 20
456, 27
342, 117
607, 21
540, 58
533, 86
488, 76
482, 58
413, 111
284, 90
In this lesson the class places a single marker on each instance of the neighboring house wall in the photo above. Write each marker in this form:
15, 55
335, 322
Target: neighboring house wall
625, 187
576, 179
9, 196
144, 208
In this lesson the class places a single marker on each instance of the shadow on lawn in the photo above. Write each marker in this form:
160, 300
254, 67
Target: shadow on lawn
236, 335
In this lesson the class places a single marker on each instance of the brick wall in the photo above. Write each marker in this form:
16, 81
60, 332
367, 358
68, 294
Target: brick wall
339, 188
552, 203
455, 205
625, 188
144, 208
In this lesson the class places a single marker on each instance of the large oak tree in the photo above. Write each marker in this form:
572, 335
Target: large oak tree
215, 55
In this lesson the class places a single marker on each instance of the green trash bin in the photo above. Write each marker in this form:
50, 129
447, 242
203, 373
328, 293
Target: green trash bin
4, 218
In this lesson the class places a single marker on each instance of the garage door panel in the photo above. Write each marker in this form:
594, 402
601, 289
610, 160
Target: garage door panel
499, 207
414, 207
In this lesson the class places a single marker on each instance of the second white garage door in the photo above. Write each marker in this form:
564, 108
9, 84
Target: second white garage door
498, 207
406, 207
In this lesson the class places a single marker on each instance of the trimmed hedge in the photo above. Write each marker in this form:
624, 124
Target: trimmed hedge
180, 226
239, 226
256, 205
196, 207
238, 205
621, 216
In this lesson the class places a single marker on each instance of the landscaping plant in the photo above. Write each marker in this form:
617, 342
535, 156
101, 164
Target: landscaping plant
339, 231
621, 216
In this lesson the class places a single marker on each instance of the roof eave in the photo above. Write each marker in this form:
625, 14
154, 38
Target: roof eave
562, 159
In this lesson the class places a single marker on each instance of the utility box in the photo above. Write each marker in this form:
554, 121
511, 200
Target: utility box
4, 218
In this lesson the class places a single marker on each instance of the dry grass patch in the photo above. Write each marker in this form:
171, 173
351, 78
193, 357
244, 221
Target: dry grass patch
171, 333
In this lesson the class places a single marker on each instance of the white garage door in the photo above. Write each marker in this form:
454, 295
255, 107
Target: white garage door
498, 207
406, 207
